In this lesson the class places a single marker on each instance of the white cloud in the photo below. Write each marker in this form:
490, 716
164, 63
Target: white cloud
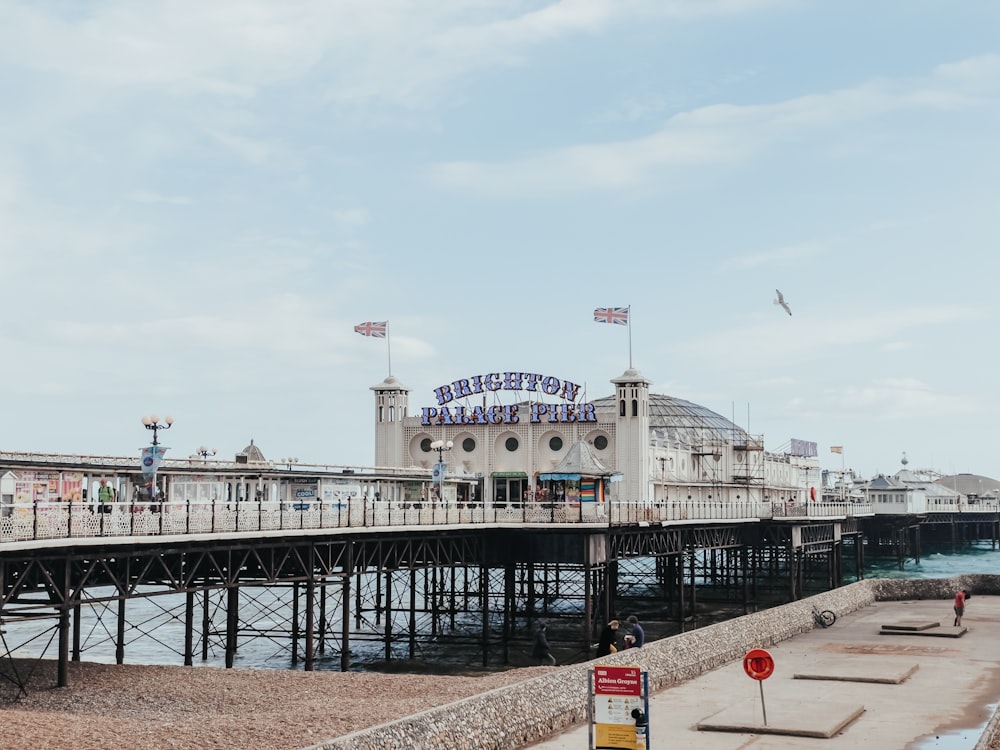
783, 340
149, 196
777, 256
716, 134
350, 218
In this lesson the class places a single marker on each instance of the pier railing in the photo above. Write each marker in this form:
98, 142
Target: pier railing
61, 520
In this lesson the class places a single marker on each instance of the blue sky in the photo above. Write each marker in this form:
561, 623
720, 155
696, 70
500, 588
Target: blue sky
198, 201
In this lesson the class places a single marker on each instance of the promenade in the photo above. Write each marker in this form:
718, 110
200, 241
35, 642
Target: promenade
935, 690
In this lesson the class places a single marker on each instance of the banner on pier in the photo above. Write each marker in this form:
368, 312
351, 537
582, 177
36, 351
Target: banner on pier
152, 457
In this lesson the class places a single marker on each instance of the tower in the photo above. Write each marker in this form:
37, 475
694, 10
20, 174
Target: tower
632, 435
391, 398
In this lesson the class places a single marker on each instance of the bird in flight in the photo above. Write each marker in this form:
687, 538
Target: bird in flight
781, 301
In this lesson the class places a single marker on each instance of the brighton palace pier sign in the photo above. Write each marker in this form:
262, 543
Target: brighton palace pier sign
567, 410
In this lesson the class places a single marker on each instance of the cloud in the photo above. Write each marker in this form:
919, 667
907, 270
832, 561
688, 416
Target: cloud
784, 340
720, 134
777, 256
399, 52
898, 399
149, 196
350, 218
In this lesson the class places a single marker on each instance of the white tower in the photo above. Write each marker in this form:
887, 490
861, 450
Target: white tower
632, 435
391, 398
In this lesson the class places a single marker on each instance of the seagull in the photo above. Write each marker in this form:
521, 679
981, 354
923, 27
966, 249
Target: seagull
781, 301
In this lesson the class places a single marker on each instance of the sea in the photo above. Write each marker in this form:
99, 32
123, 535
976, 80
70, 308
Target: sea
154, 631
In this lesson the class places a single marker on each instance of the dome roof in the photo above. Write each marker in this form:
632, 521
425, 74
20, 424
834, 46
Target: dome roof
253, 453
681, 421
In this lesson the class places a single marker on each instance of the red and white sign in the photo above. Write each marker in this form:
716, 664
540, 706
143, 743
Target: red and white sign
758, 664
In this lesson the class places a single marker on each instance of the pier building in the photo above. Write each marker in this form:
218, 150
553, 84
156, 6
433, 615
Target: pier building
478, 521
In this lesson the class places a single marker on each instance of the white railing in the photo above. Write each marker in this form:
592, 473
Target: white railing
61, 520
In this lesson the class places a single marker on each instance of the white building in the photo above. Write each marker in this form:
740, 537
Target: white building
510, 430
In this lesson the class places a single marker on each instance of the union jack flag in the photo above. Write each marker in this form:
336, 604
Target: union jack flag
375, 330
616, 315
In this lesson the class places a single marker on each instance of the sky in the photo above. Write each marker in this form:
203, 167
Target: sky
199, 201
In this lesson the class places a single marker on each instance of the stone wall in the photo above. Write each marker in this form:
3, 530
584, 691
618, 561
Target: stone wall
535, 709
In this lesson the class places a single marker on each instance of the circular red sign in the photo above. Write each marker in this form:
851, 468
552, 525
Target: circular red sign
758, 664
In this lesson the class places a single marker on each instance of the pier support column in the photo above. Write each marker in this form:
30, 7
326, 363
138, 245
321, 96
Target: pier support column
189, 629
310, 625
484, 605
206, 623
295, 623
388, 615
232, 623
345, 613
62, 679
77, 611
120, 634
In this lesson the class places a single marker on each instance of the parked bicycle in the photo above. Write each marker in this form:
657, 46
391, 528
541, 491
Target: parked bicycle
824, 618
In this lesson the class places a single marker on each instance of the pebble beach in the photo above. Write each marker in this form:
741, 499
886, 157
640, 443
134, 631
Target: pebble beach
192, 708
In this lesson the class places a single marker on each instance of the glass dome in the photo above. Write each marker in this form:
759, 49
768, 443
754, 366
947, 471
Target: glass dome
679, 421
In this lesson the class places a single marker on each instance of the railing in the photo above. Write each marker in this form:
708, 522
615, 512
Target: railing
60, 520
820, 510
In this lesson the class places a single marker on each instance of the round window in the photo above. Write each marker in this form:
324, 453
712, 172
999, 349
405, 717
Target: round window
556, 443
425, 445
468, 445
600, 442
511, 444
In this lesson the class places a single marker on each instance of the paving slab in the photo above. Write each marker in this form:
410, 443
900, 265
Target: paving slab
947, 631
783, 719
912, 625
886, 671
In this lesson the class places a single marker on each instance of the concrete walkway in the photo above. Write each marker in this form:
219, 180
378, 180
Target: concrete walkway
853, 685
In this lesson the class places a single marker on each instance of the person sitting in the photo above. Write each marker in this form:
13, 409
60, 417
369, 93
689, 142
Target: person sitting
637, 637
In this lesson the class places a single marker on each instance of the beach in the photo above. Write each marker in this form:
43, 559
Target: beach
194, 708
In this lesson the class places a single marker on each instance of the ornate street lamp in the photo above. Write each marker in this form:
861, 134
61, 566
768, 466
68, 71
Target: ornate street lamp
203, 453
153, 423
289, 461
438, 474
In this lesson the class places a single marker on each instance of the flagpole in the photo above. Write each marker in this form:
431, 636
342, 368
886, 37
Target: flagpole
388, 350
629, 308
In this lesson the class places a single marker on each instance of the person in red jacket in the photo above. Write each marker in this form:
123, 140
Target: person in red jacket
960, 598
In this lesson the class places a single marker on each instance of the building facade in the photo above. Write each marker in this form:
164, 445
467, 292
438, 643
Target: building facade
509, 431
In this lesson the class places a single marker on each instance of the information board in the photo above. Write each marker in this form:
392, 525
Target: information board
619, 708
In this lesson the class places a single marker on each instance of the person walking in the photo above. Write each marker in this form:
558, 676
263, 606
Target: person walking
541, 650
105, 496
637, 636
960, 599
606, 644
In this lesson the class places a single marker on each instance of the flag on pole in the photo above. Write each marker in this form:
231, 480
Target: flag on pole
375, 330
615, 315
836, 449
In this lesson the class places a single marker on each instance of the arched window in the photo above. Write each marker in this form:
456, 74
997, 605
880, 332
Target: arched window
621, 408
635, 407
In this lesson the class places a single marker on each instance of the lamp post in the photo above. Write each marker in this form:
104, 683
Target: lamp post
289, 461
153, 423
440, 446
203, 453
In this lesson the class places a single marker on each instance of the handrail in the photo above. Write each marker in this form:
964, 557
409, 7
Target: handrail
62, 520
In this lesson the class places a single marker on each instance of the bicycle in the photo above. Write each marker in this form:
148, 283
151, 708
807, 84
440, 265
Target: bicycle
824, 618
